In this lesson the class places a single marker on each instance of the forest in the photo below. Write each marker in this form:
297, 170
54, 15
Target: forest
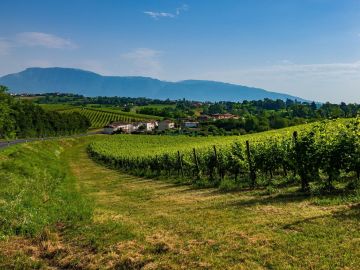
22, 119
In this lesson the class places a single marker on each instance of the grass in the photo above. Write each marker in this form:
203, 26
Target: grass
35, 190
146, 224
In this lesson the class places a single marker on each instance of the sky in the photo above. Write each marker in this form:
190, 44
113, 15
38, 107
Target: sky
307, 48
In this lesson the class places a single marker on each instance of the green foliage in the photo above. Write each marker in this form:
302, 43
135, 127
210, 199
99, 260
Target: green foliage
140, 223
36, 190
252, 116
21, 119
319, 154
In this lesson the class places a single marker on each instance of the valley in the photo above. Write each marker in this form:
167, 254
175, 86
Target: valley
128, 222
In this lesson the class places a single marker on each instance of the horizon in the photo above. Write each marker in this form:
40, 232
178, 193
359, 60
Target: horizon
136, 76
304, 48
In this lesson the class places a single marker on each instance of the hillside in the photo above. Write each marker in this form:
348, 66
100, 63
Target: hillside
102, 117
41, 80
76, 214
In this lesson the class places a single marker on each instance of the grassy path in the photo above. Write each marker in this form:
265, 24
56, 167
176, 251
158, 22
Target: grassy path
158, 225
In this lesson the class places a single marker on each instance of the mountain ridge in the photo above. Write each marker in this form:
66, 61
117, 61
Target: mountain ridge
88, 83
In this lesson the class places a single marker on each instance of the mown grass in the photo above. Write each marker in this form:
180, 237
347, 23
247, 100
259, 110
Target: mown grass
36, 194
36, 190
147, 224
178, 226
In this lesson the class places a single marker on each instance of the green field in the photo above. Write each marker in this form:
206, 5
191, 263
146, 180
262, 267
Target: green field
61, 210
118, 111
100, 117
153, 106
318, 158
143, 146
140, 146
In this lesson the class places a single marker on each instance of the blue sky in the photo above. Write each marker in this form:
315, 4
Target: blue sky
308, 48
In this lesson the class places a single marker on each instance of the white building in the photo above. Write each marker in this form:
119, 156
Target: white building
149, 126
129, 127
166, 124
116, 126
191, 124
144, 126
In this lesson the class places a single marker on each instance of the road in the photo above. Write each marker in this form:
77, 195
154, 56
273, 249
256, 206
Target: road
18, 141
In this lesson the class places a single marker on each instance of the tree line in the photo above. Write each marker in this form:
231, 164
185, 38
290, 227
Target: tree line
23, 119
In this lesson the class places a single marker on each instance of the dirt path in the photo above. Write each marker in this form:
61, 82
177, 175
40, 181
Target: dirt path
159, 225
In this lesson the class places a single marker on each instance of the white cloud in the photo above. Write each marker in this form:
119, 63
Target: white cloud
291, 70
4, 47
181, 9
313, 69
43, 40
286, 62
157, 15
144, 61
322, 82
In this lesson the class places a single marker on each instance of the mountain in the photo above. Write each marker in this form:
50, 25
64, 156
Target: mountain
69, 80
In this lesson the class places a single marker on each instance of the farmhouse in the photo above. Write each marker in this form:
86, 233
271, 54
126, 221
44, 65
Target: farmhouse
166, 124
144, 126
219, 116
149, 126
117, 126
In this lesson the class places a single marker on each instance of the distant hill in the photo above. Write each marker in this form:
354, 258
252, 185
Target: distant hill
69, 80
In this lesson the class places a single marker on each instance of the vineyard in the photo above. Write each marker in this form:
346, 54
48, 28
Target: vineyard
322, 155
100, 117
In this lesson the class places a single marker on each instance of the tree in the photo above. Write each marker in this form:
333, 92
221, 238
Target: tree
6, 120
3, 89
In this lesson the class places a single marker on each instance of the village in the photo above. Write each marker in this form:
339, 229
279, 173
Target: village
163, 125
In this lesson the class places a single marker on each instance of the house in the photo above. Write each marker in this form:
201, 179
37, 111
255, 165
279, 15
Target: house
145, 126
219, 116
204, 117
150, 125
190, 124
136, 126
166, 124
117, 126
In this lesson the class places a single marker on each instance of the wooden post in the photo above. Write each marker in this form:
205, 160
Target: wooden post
215, 153
196, 163
295, 136
217, 162
157, 166
303, 175
181, 164
251, 168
